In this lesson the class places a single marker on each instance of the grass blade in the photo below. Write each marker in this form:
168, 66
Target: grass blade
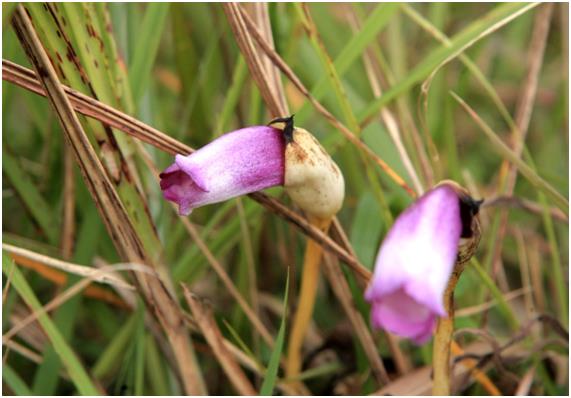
232, 97
77, 373
352, 51
109, 359
503, 306
14, 381
155, 369
147, 47
7, 10
205, 319
271, 375
498, 17
470, 65
31, 197
507, 153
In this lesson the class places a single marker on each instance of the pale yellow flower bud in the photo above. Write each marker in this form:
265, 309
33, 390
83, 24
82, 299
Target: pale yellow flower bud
312, 179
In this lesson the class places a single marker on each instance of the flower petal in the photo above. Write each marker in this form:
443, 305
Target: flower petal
237, 163
416, 260
186, 165
400, 314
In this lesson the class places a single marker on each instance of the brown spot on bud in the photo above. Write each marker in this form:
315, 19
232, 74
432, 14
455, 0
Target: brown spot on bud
312, 179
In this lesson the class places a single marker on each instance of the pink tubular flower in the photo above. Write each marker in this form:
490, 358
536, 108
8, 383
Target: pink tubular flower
237, 163
414, 264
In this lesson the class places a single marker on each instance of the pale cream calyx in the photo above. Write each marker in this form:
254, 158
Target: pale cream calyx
312, 179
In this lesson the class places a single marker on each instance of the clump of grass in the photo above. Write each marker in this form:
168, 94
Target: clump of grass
402, 95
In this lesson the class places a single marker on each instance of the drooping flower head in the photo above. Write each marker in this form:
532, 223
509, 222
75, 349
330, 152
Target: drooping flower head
416, 260
252, 159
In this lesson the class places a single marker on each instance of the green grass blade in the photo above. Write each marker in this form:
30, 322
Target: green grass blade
58, 38
187, 63
271, 375
499, 16
75, 369
46, 378
139, 353
116, 72
352, 51
241, 343
155, 368
147, 47
31, 197
328, 66
319, 371
557, 275
366, 229
498, 296
14, 381
507, 153
7, 9
472, 67
85, 33
109, 359
65, 317
232, 97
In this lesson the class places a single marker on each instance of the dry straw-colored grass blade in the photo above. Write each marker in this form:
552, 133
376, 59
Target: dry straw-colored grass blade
263, 76
341, 289
207, 324
87, 272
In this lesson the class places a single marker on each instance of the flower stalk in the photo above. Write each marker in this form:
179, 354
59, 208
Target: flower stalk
306, 300
443, 342
315, 184
443, 338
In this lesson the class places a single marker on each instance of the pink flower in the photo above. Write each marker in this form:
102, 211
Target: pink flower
415, 262
237, 163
